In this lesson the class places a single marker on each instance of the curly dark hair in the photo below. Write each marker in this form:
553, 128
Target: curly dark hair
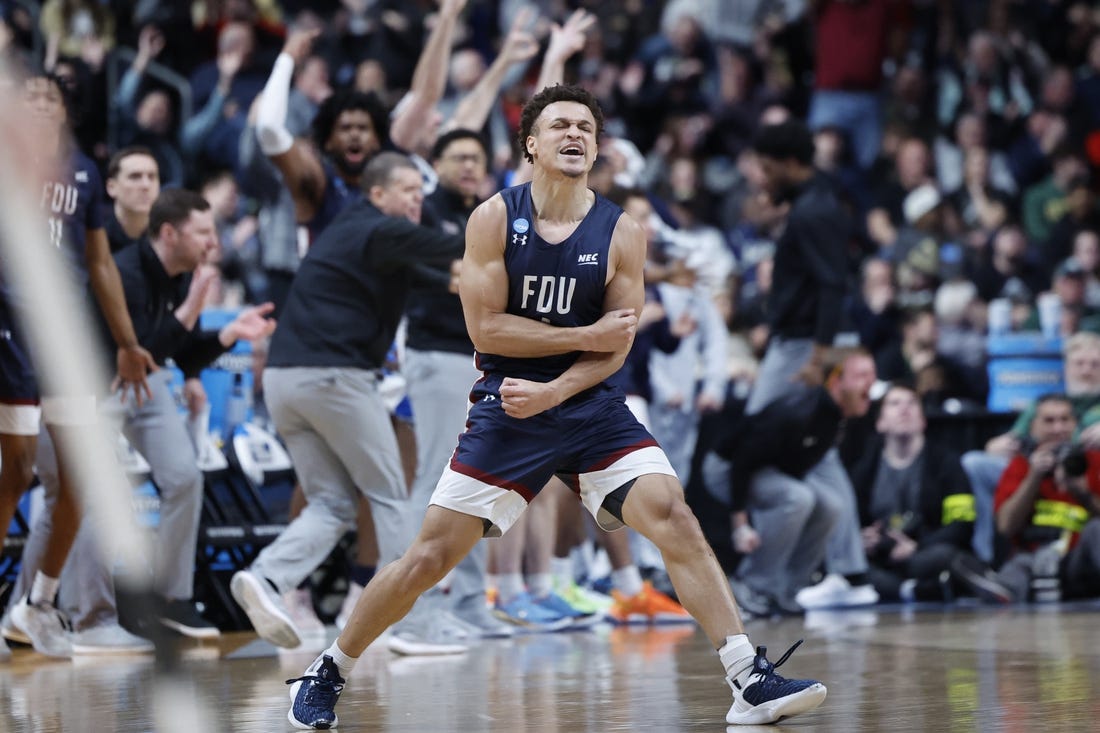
549, 95
350, 99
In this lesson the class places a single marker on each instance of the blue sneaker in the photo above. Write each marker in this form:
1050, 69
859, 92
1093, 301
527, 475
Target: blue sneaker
314, 695
767, 697
525, 611
579, 619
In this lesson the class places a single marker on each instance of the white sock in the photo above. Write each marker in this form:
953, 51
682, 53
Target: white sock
509, 586
908, 590
737, 657
562, 570
540, 584
342, 661
44, 589
627, 580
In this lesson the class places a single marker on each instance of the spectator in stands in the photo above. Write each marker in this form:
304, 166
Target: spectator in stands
1047, 504
1003, 269
912, 168
792, 503
148, 119
874, 311
853, 41
1086, 251
970, 133
984, 468
678, 402
79, 28
237, 254
915, 251
961, 321
1044, 203
917, 511
918, 361
981, 206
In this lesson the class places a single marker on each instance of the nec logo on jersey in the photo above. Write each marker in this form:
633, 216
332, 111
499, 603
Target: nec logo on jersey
519, 231
590, 258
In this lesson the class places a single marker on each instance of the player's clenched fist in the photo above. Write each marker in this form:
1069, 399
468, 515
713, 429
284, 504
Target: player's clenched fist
614, 331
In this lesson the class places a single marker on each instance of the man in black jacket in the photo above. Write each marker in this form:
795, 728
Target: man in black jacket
917, 511
165, 284
792, 502
322, 386
810, 279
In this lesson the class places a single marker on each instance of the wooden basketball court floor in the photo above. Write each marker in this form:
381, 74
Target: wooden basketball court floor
950, 668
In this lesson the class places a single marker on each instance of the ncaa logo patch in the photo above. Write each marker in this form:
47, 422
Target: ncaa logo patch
520, 226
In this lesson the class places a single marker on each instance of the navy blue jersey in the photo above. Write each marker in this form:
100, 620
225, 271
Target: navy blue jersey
73, 204
337, 196
561, 284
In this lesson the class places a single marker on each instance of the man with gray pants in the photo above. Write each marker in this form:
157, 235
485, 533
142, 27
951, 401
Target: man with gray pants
321, 385
792, 501
165, 284
438, 365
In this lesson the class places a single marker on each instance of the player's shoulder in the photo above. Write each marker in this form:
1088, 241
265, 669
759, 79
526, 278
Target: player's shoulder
491, 211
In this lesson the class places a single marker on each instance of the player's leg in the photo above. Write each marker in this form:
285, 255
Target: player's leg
654, 505
16, 473
446, 536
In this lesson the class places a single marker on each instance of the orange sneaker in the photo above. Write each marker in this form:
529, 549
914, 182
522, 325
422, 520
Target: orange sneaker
648, 607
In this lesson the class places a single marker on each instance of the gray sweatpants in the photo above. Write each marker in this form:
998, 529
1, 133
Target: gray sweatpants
439, 384
157, 430
782, 361
801, 522
342, 443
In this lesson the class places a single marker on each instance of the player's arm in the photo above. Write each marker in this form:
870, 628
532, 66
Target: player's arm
296, 159
483, 288
133, 361
625, 293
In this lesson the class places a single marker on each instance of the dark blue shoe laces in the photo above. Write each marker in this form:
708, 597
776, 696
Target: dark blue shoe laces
321, 690
765, 684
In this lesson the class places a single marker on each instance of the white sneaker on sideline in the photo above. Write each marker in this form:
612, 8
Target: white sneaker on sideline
9, 632
265, 609
836, 592
354, 591
299, 604
427, 635
109, 639
44, 625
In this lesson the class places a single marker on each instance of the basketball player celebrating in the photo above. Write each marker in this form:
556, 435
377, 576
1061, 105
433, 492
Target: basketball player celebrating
551, 285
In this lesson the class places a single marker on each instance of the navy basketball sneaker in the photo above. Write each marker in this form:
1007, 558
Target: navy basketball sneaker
313, 696
766, 697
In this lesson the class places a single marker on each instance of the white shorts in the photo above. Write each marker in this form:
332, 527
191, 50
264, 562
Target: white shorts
20, 419
502, 507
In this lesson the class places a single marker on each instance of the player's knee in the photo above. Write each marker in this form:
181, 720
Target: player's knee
426, 563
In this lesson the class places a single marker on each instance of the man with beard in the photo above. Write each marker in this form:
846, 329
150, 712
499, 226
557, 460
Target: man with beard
808, 288
350, 127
